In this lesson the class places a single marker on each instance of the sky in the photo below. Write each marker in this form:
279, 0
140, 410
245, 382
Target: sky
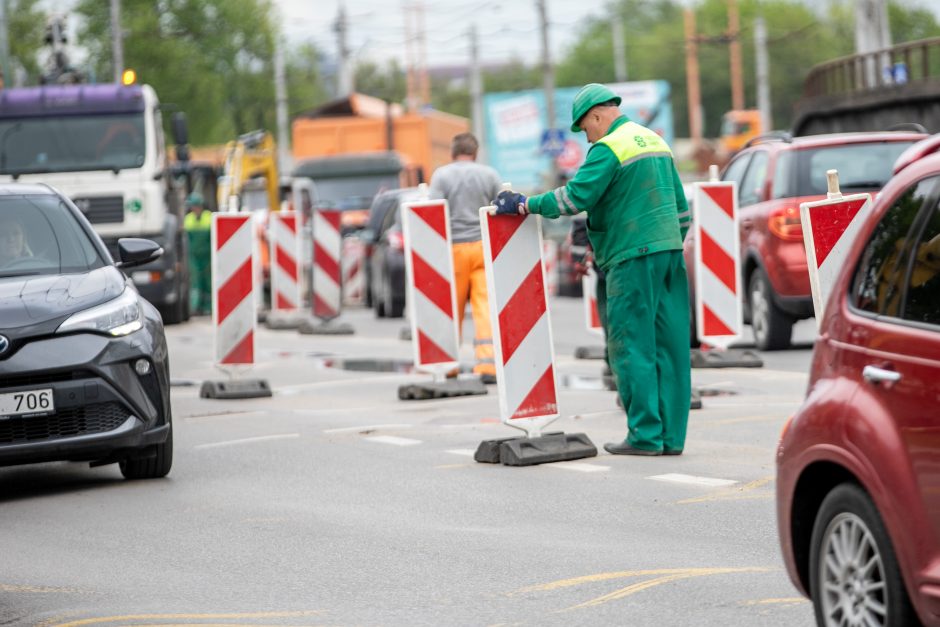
507, 28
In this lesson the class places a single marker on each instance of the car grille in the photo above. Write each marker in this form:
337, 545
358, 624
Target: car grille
14, 381
66, 423
101, 209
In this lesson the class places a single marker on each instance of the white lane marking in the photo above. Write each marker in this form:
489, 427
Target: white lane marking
466, 452
710, 482
580, 467
367, 428
391, 439
262, 438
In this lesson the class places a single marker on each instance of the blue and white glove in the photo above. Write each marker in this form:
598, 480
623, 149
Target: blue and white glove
510, 203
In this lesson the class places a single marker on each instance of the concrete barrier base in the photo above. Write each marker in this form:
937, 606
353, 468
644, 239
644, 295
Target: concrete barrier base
330, 327
442, 389
589, 352
236, 389
280, 321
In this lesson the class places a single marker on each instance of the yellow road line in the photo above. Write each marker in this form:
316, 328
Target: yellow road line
783, 601
623, 592
737, 493
586, 579
136, 617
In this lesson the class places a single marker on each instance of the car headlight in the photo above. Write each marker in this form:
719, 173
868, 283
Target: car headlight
116, 317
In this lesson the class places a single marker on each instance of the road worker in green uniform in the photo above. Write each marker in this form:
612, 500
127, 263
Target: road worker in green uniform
198, 226
637, 219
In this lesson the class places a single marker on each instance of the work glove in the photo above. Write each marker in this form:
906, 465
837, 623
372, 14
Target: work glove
582, 266
510, 203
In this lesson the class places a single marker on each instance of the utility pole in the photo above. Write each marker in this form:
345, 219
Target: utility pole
5, 65
692, 79
424, 82
620, 48
872, 33
548, 73
763, 75
341, 27
117, 40
734, 52
280, 97
476, 91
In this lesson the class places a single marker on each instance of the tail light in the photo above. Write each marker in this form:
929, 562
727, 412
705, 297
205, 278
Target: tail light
785, 224
396, 241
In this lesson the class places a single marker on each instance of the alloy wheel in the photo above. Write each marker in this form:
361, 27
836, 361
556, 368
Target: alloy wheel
852, 574
760, 311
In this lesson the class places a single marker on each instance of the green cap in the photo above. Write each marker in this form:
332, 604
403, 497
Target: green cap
195, 200
589, 96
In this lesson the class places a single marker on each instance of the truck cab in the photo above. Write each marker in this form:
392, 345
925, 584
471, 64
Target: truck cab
102, 145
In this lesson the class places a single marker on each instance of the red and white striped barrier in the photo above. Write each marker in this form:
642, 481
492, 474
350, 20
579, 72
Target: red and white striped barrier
233, 293
592, 318
327, 244
550, 259
353, 267
284, 237
522, 335
829, 228
429, 263
718, 314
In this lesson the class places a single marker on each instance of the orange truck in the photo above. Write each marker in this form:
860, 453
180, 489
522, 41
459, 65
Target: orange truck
737, 128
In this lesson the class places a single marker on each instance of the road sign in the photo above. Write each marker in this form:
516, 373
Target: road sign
571, 157
522, 335
429, 263
719, 319
829, 228
233, 295
553, 141
285, 261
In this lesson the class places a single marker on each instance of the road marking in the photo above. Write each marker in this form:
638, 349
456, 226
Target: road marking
391, 439
739, 493
136, 617
367, 428
260, 438
580, 466
452, 466
467, 452
710, 482
783, 601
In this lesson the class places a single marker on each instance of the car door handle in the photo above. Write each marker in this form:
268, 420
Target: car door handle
874, 374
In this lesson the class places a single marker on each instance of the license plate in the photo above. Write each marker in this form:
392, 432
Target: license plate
27, 402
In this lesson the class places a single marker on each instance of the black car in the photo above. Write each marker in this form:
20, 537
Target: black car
84, 373
385, 253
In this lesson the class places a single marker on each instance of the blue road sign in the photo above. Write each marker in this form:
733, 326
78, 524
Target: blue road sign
553, 141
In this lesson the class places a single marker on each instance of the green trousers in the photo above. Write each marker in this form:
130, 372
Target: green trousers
648, 343
200, 271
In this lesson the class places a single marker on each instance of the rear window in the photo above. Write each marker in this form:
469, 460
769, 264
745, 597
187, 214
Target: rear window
41, 235
861, 166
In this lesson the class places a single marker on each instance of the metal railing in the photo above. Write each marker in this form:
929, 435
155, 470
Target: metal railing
912, 62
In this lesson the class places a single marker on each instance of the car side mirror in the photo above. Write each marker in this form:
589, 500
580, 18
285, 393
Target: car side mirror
136, 252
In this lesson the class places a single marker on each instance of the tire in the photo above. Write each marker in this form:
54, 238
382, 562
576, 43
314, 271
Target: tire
154, 467
393, 307
772, 327
841, 581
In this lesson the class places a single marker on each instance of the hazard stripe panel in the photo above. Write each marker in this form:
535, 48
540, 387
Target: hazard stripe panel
233, 271
326, 276
285, 256
718, 310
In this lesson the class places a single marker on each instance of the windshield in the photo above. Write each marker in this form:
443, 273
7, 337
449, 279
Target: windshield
353, 192
861, 167
72, 143
40, 235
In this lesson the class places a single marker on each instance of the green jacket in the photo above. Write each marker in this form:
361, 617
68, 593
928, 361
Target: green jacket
631, 191
198, 232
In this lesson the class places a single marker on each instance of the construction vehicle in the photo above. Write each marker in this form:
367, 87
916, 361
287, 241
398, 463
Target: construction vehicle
738, 127
103, 146
249, 167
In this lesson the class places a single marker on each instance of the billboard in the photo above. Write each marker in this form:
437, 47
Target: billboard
515, 124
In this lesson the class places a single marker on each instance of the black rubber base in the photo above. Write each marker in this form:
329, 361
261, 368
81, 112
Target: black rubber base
316, 327
696, 402
488, 450
277, 321
731, 358
243, 388
445, 389
546, 448
589, 352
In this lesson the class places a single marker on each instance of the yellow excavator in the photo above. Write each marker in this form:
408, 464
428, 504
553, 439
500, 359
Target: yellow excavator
249, 179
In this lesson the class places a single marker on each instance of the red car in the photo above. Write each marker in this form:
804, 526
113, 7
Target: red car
858, 466
775, 173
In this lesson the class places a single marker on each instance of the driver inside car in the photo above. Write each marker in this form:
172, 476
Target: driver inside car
13, 244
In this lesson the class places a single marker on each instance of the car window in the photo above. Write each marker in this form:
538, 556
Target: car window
41, 235
783, 176
752, 185
735, 169
922, 296
879, 277
861, 166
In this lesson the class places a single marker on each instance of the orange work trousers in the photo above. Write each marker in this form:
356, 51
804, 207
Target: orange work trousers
470, 282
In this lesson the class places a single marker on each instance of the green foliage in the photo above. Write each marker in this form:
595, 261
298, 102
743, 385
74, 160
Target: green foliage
388, 83
26, 23
305, 85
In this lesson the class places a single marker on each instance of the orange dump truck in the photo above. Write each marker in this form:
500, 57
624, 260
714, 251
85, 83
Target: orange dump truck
363, 124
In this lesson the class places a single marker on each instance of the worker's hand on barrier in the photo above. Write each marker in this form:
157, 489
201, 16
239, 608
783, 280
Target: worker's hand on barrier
582, 266
510, 203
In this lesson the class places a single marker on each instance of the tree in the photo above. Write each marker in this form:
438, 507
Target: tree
388, 83
25, 25
305, 85
211, 58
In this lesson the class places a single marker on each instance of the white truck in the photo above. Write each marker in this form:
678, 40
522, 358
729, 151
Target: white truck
102, 145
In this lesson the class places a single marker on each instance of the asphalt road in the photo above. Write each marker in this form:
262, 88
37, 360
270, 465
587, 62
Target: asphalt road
334, 503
